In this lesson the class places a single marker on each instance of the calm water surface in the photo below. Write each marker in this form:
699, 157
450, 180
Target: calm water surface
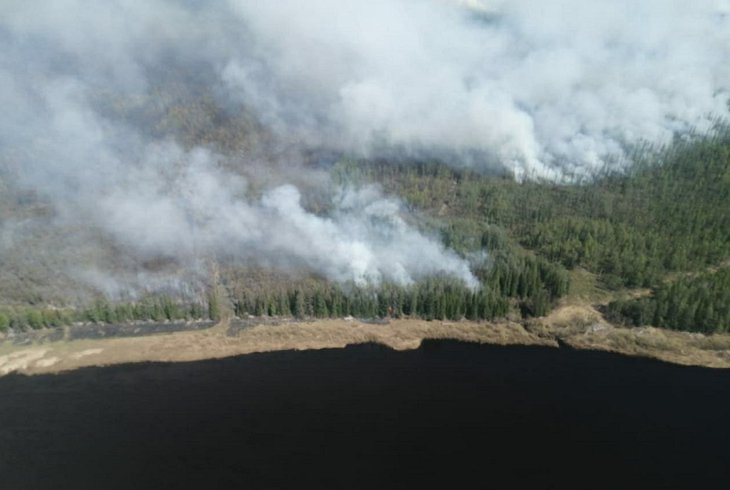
451, 415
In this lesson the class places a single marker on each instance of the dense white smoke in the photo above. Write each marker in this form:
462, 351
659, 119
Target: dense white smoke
162, 201
542, 88
201, 209
548, 88
154, 198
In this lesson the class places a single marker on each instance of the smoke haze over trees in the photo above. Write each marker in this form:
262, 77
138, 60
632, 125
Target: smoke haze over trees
142, 141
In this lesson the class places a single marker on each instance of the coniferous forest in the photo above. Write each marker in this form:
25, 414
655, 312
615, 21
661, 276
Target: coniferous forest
661, 228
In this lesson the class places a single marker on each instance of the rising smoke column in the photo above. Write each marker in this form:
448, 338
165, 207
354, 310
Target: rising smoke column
152, 197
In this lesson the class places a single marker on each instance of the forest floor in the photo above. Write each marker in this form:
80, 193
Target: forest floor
578, 325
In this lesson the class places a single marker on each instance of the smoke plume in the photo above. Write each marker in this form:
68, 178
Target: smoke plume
95, 120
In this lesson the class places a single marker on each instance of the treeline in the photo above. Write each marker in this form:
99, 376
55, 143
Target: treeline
526, 284
438, 298
158, 309
533, 283
697, 303
522, 285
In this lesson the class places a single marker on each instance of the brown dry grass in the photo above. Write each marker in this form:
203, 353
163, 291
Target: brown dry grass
583, 327
214, 343
579, 325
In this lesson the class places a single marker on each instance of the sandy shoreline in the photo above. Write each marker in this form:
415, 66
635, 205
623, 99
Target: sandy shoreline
579, 327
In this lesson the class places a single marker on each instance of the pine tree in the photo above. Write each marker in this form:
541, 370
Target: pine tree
214, 308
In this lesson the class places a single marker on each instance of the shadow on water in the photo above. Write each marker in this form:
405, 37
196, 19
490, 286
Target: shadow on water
447, 414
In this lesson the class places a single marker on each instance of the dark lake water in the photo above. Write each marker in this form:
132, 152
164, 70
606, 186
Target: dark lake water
449, 414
